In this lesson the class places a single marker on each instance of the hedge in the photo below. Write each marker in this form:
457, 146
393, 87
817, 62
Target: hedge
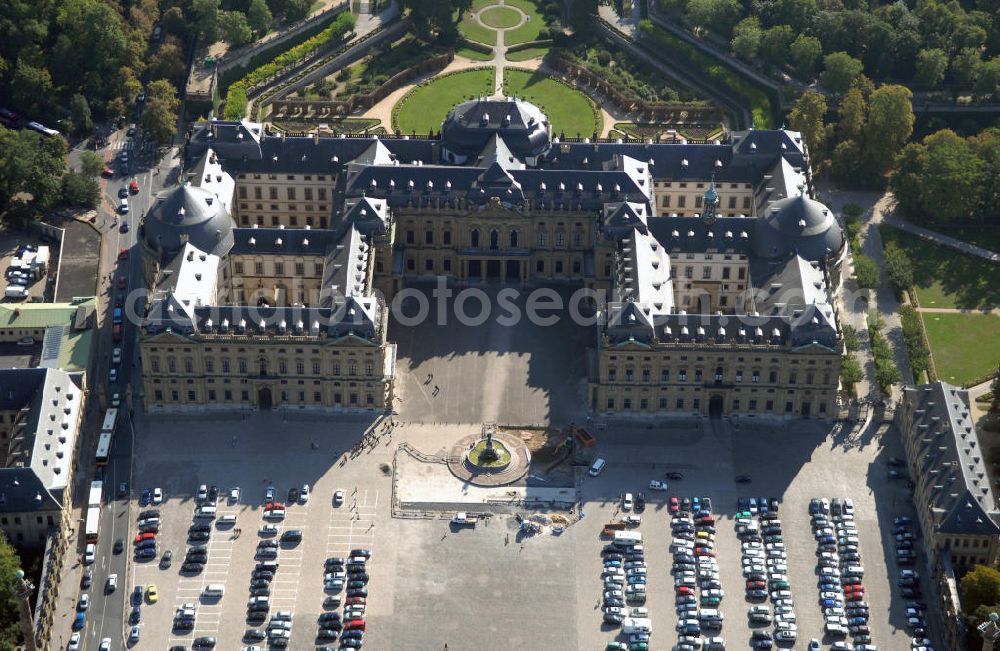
760, 102
236, 95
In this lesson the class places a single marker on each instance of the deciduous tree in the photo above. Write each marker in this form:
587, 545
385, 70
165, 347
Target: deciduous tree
889, 124
840, 69
808, 116
746, 38
980, 587
259, 17
79, 190
805, 52
931, 66
234, 28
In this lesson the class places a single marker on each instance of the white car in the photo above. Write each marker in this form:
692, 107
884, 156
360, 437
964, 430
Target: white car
639, 611
655, 485
304, 493
627, 502
632, 520
106, 644
234, 495
338, 497
919, 641
133, 635
74, 642
269, 530
89, 554
112, 582
116, 355
614, 610
269, 494
157, 495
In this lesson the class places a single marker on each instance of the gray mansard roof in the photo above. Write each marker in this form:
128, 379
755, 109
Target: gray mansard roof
950, 462
471, 125
798, 226
187, 214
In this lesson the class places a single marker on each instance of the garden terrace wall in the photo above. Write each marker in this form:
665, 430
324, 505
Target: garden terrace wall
326, 109
660, 112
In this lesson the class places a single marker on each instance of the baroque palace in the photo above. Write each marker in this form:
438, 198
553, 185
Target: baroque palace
273, 266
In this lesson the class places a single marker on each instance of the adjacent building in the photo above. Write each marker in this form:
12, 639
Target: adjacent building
273, 265
41, 411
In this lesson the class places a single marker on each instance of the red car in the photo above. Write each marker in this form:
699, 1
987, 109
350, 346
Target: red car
139, 537
855, 596
684, 590
133, 187
753, 585
675, 506
274, 506
352, 601
354, 625
123, 253
852, 587
116, 332
704, 551
121, 282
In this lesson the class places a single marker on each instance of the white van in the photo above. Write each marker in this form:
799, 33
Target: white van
207, 511
710, 615
597, 467
214, 590
16, 291
637, 625
225, 519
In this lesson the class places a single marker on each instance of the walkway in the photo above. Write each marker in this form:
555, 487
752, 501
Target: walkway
941, 238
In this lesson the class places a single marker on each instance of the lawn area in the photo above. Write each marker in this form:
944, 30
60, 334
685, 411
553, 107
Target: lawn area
529, 30
528, 53
500, 17
425, 107
569, 111
471, 29
945, 277
964, 346
475, 55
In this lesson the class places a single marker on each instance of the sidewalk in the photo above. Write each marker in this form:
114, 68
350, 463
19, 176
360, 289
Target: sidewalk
941, 238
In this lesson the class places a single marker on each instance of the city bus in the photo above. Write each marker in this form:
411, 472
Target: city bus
107, 436
42, 129
96, 497
93, 525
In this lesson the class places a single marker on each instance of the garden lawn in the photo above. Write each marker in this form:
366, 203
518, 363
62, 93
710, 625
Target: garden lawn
529, 30
471, 29
475, 55
500, 17
528, 53
425, 108
946, 278
569, 111
965, 346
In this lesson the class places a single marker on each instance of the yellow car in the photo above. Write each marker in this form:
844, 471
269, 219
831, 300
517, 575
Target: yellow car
151, 594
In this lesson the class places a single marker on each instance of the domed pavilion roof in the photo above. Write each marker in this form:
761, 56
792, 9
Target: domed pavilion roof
470, 125
797, 225
188, 214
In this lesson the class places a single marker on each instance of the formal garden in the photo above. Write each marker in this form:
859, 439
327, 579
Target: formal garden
423, 109
524, 21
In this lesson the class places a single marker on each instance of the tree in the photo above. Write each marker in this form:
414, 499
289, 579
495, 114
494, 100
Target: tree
296, 10
851, 114
965, 66
168, 63
899, 267
10, 563
995, 391
259, 17
173, 23
80, 190
887, 374
931, 66
718, 15
980, 587
30, 88
940, 178
775, 43
807, 116
988, 77
839, 70
234, 28
204, 19
805, 52
91, 163
850, 371
30, 164
79, 112
889, 125
159, 119
746, 38
866, 272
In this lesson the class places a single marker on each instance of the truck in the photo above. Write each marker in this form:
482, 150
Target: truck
637, 625
584, 437
628, 537
462, 518
612, 527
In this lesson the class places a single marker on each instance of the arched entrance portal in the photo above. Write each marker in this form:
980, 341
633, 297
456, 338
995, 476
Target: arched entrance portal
715, 406
264, 398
